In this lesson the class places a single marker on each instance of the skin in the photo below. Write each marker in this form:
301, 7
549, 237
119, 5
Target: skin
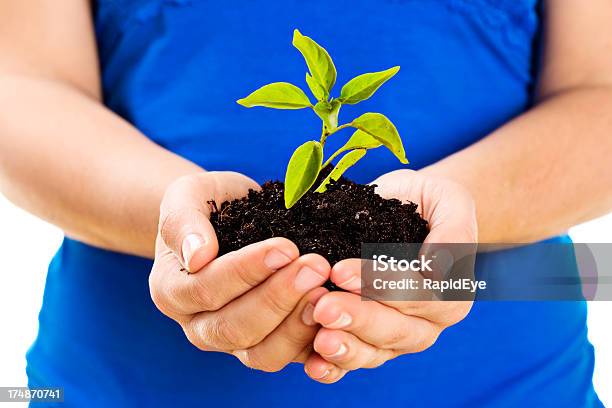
105, 189
357, 334
214, 305
549, 169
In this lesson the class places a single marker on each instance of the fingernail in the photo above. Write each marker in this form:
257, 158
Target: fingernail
275, 259
307, 279
351, 283
325, 374
345, 274
343, 320
308, 315
191, 244
341, 351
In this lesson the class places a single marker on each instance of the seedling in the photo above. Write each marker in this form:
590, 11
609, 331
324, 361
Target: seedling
372, 129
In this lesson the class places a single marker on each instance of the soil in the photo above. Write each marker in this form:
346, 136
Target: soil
332, 224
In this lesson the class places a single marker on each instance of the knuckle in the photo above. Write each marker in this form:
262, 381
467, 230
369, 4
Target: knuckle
396, 336
158, 300
413, 307
195, 333
201, 295
228, 335
239, 267
365, 321
159, 294
424, 342
175, 223
298, 339
364, 357
433, 310
168, 226
154, 283
276, 301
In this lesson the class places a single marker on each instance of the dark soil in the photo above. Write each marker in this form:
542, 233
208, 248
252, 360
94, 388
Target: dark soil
332, 224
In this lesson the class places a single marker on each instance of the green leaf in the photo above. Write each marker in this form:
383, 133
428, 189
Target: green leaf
279, 95
328, 112
361, 140
316, 89
345, 162
302, 171
363, 86
378, 126
319, 62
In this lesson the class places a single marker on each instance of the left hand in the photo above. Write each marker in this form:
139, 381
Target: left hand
359, 334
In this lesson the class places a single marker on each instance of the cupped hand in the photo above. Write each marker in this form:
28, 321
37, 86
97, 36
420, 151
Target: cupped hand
249, 302
365, 334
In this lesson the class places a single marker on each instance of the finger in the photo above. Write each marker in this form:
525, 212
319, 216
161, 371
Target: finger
184, 225
450, 211
375, 323
288, 341
349, 352
321, 370
452, 257
452, 240
219, 282
347, 275
304, 354
250, 318
190, 236
446, 205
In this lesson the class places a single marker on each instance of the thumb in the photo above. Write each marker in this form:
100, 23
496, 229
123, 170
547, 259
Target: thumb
184, 226
190, 235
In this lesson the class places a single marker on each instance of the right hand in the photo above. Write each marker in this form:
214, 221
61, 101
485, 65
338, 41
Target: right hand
253, 302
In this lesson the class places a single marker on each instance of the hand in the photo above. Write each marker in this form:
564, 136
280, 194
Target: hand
358, 334
249, 302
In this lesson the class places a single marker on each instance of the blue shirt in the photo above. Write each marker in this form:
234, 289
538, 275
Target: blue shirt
174, 68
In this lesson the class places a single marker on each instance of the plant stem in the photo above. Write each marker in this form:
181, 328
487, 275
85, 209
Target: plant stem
324, 135
325, 132
331, 132
341, 127
332, 157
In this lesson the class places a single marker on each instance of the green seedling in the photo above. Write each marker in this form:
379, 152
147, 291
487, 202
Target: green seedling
372, 129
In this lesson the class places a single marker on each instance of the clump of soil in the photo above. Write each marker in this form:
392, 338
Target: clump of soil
332, 224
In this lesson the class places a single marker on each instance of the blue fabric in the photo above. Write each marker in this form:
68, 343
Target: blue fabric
175, 68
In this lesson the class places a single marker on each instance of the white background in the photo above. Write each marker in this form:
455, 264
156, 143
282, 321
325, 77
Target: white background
27, 244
